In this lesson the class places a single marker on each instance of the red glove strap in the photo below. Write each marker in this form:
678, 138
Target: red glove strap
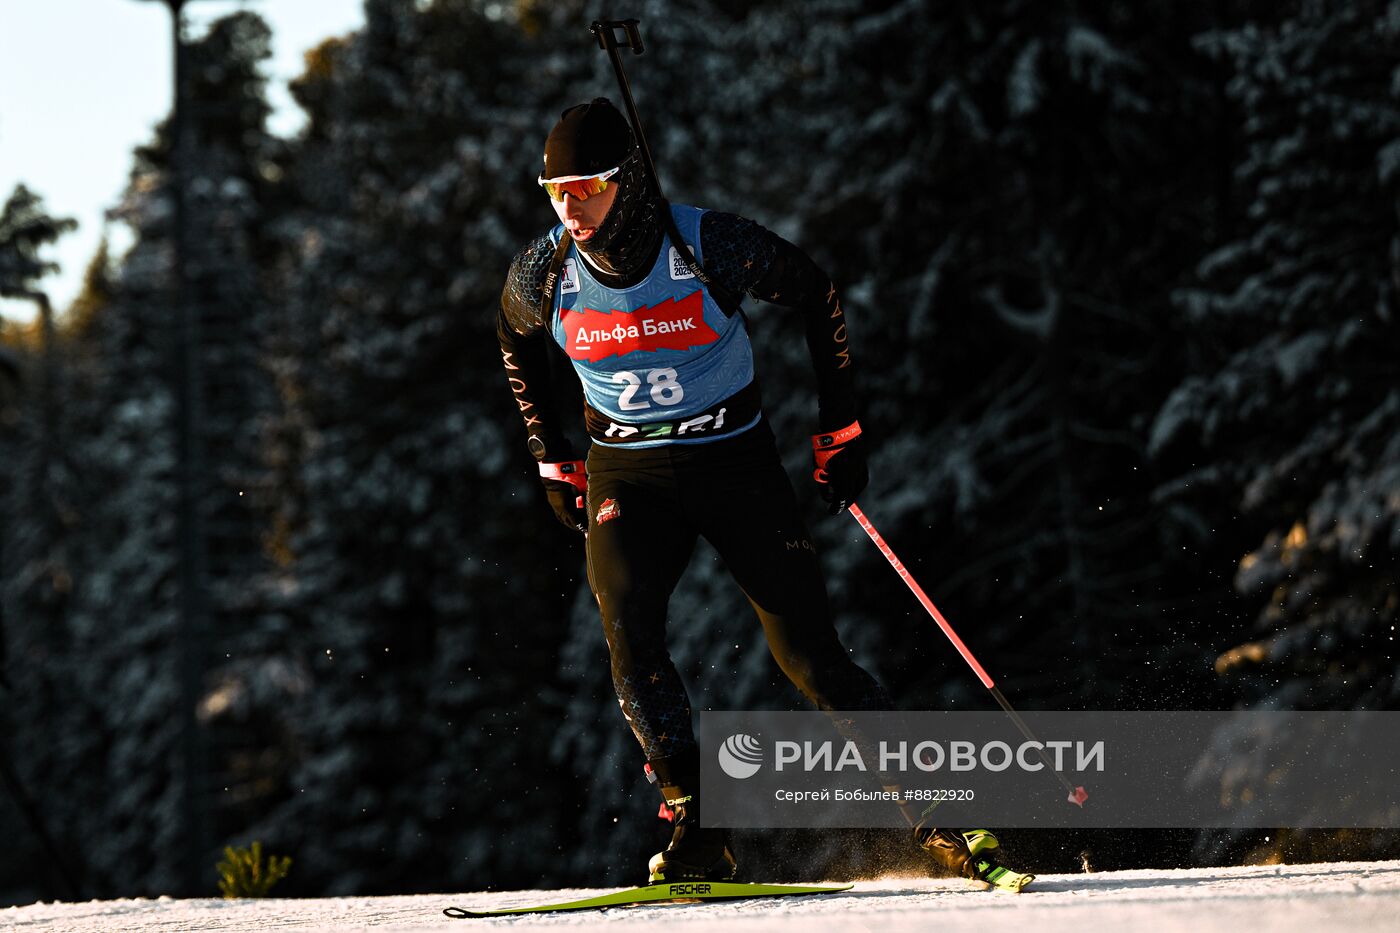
826, 446
569, 471
836, 438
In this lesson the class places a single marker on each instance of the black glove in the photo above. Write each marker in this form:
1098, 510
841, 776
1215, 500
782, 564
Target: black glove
841, 466
566, 484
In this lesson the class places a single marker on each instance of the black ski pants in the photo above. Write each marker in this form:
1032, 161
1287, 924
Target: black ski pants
646, 507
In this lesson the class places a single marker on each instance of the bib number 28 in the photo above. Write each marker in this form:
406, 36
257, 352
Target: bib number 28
662, 386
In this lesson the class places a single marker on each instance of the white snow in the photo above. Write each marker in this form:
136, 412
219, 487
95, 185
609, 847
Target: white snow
1352, 896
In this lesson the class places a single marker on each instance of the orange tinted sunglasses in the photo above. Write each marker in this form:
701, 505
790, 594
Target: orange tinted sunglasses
581, 187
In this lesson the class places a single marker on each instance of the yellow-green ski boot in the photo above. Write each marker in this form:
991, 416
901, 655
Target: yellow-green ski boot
983, 869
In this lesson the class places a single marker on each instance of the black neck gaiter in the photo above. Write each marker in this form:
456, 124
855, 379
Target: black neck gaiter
625, 245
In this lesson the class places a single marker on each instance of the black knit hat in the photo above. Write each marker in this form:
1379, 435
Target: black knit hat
588, 139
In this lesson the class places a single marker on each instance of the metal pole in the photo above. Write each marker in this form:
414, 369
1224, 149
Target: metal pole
193, 596
48, 402
193, 610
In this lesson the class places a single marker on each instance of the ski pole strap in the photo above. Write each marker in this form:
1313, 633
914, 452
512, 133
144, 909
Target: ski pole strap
568, 471
836, 438
826, 446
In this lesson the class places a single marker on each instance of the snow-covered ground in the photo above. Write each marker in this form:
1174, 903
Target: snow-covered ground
1350, 896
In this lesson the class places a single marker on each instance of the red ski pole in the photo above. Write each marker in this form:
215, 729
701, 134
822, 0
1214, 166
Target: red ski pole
1077, 795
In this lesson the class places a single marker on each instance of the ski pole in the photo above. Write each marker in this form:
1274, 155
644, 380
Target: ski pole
606, 33
1077, 795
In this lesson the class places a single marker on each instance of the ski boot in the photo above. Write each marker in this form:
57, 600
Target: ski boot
695, 852
972, 855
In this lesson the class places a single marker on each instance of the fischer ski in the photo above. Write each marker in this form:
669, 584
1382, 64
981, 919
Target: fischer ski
660, 893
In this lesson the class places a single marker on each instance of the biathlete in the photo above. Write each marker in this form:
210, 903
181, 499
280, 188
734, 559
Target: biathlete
680, 448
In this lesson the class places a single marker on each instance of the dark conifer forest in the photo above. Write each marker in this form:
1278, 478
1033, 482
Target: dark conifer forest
1122, 282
